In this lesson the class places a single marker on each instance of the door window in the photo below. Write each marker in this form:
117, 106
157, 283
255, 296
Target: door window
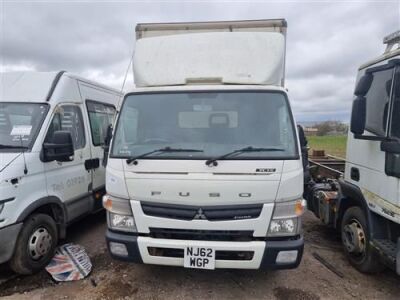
100, 117
378, 102
68, 118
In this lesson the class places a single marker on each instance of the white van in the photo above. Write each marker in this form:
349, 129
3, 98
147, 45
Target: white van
52, 130
205, 169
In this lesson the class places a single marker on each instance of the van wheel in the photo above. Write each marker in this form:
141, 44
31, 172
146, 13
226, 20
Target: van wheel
355, 240
35, 245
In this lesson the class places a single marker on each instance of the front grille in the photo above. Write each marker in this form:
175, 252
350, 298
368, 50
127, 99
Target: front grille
202, 235
219, 254
210, 213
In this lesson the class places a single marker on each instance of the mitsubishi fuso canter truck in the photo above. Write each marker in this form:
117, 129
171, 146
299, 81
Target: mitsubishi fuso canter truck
364, 203
204, 169
52, 130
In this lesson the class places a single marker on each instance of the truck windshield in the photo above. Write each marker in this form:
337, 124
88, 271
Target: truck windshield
213, 122
19, 124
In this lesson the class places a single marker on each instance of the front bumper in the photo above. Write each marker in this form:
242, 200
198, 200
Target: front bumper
264, 256
8, 238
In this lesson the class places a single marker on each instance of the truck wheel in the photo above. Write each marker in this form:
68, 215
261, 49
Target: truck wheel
355, 239
35, 245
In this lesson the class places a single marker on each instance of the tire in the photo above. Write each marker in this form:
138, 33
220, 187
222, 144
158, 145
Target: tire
360, 254
35, 244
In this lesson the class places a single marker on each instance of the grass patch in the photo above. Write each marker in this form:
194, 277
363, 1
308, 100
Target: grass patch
333, 145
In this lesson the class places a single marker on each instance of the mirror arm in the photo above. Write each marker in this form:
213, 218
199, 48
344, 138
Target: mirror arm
54, 146
370, 138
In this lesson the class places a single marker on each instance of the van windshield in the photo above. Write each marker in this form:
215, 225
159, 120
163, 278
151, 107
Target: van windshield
213, 122
19, 124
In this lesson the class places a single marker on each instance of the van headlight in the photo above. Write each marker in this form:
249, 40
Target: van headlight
286, 220
119, 214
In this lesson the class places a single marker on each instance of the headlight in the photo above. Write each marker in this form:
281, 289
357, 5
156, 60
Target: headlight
119, 214
121, 222
286, 220
283, 227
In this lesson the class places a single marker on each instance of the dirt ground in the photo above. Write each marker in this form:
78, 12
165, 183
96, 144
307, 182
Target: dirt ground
111, 279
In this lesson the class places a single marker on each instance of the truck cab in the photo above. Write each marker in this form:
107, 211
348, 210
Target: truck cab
52, 129
365, 203
204, 168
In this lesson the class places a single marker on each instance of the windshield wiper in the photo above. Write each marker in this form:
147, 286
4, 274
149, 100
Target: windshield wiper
214, 160
165, 149
12, 147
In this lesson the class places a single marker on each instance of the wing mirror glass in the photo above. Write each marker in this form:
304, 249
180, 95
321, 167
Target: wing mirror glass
358, 115
392, 159
363, 85
107, 142
391, 147
60, 148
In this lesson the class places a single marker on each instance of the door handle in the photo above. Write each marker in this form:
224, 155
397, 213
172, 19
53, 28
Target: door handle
91, 164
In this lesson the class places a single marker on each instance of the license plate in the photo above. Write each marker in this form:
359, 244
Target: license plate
199, 258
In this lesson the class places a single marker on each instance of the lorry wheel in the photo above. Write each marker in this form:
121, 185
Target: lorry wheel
356, 238
35, 245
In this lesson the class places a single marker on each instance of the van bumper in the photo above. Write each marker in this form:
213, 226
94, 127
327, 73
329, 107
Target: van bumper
268, 255
8, 238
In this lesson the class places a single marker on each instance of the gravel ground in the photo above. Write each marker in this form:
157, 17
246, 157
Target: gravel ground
111, 279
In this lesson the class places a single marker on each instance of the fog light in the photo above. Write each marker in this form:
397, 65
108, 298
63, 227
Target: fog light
118, 249
286, 257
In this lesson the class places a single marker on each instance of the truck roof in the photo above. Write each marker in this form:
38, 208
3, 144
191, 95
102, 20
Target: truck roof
206, 88
34, 86
145, 30
233, 52
392, 50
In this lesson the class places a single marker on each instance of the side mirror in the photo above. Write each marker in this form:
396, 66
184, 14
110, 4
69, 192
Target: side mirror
61, 148
363, 85
392, 159
302, 137
107, 139
106, 147
358, 115
391, 147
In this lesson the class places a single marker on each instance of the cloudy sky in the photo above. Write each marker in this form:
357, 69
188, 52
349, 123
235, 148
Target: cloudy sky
327, 40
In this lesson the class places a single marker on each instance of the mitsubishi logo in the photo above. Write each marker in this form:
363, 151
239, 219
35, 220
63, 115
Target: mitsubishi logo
200, 215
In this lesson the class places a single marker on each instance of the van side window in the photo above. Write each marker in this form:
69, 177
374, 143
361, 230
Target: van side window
100, 117
69, 118
395, 127
378, 102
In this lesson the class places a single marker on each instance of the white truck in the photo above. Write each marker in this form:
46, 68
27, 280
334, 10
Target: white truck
204, 168
52, 129
365, 203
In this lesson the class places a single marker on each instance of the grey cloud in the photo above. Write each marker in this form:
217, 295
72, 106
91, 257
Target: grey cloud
327, 41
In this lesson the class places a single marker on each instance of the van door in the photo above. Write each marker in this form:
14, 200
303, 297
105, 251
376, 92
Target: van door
101, 115
70, 181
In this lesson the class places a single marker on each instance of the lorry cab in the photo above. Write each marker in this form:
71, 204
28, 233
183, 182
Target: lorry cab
365, 203
52, 129
373, 151
204, 168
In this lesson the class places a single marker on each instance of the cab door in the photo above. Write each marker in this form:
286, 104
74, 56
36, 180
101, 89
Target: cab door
391, 167
366, 160
70, 181
101, 115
